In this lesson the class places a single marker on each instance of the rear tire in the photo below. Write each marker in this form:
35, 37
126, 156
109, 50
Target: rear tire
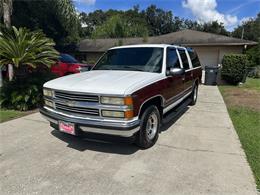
149, 128
194, 95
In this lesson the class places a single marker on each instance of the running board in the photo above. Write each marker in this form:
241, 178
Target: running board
175, 112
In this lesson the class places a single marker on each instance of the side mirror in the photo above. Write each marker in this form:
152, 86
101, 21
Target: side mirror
176, 71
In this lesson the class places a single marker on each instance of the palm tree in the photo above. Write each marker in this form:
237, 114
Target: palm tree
21, 47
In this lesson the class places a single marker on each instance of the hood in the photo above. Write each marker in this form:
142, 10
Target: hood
105, 82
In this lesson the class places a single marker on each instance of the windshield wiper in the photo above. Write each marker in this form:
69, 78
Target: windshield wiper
133, 68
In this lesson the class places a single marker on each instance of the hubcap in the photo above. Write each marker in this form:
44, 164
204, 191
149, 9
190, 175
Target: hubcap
151, 127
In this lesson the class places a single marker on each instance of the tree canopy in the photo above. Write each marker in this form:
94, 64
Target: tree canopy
152, 21
118, 27
60, 21
57, 19
250, 29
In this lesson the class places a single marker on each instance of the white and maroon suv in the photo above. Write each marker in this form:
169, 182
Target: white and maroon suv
127, 93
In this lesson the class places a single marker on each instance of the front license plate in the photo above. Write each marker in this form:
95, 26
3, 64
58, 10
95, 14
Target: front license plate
67, 127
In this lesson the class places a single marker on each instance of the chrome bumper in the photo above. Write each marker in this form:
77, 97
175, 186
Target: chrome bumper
123, 128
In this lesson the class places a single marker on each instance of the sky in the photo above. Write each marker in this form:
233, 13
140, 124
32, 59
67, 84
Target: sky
230, 12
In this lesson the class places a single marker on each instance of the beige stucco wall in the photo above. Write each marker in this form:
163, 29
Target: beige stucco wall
213, 55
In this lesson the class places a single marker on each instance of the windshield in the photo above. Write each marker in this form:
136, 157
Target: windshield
66, 58
146, 59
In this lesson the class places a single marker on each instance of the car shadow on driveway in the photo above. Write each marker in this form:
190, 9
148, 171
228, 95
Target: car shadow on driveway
113, 144
172, 118
101, 143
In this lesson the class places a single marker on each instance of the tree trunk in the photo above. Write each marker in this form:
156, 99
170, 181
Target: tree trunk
7, 12
1, 77
7, 6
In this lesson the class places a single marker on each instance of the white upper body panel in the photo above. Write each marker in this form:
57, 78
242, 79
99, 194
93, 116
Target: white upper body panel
111, 82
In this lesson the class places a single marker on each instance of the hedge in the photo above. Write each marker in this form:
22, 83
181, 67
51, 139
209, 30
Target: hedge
24, 93
234, 68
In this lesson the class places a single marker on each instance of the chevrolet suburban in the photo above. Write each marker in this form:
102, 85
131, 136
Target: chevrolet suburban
127, 93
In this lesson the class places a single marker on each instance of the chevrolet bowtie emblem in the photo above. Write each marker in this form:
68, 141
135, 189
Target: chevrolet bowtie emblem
70, 103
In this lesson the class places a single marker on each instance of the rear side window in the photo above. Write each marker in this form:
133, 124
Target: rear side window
184, 59
194, 59
172, 59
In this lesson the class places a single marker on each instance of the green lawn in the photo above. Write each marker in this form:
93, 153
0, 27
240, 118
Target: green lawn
246, 119
6, 115
252, 84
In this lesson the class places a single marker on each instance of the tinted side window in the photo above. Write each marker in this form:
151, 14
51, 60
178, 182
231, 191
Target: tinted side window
194, 59
65, 58
172, 59
184, 59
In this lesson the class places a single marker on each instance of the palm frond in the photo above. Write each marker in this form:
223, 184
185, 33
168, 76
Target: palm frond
22, 47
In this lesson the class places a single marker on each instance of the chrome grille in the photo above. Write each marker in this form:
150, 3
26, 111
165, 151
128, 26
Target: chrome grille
68, 102
76, 96
76, 110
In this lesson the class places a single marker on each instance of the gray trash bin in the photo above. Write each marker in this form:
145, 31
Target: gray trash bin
211, 73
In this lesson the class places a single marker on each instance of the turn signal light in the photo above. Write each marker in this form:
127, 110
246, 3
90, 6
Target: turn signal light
128, 101
129, 114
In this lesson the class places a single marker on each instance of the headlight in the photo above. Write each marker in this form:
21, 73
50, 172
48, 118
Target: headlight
48, 103
113, 114
48, 92
117, 100
118, 114
112, 100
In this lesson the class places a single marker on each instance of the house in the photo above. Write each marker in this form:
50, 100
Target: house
210, 47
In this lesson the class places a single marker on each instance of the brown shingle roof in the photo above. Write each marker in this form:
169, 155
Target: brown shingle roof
184, 37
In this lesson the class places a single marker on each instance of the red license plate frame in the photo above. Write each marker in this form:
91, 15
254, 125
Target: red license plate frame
67, 127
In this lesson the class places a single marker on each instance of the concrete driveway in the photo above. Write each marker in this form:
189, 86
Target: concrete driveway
198, 154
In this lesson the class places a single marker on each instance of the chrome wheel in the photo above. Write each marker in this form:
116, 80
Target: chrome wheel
152, 126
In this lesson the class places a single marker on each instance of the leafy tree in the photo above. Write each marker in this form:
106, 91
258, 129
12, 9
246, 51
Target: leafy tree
159, 21
57, 19
250, 29
156, 20
94, 20
91, 21
254, 55
119, 27
21, 47
214, 27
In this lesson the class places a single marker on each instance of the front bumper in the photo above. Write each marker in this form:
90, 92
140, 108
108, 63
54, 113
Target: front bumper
121, 128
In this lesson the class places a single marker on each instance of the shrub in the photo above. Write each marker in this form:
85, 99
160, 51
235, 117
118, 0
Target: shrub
234, 68
24, 93
254, 55
254, 72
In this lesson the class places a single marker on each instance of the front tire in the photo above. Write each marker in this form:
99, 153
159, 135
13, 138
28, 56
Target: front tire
149, 128
194, 95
